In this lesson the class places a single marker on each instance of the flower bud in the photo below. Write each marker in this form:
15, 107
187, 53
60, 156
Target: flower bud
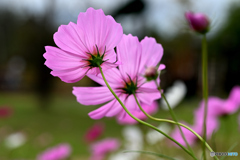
151, 73
198, 22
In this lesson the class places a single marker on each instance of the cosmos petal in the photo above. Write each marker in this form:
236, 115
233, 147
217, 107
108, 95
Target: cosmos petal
116, 108
110, 56
99, 29
129, 54
71, 75
102, 111
152, 53
68, 67
148, 96
161, 67
131, 103
149, 84
108, 110
122, 115
106, 66
57, 59
94, 34
112, 76
124, 118
70, 38
92, 95
147, 90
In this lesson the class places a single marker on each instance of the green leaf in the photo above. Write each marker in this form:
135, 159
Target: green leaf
153, 153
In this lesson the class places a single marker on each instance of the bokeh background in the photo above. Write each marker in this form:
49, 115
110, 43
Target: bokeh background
42, 107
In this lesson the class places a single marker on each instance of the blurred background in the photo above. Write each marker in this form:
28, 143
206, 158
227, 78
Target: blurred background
42, 108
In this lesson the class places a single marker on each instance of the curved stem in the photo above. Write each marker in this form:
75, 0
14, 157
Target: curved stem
140, 121
177, 123
204, 89
173, 116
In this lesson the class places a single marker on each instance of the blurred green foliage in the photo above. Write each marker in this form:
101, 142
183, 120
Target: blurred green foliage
67, 121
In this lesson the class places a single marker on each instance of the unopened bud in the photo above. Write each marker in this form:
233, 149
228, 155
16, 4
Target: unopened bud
151, 73
198, 22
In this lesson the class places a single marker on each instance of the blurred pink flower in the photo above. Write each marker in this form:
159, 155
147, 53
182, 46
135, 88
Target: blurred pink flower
84, 46
5, 111
220, 107
216, 107
59, 152
232, 104
94, 132
197, 21
212, 122
212, 125
103, 147
190, 137
150, 109
126, 80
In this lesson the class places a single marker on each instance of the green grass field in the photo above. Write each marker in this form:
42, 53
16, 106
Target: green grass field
67, 121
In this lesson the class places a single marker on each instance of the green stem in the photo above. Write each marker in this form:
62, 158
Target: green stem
204, 89
173, 116
140, 121
177, 123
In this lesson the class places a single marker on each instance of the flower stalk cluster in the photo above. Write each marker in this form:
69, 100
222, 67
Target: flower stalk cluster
129, 77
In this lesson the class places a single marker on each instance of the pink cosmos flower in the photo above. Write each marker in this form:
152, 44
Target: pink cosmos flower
150, 109
59, 152
126, 80
84, 46
94, 132
198, 21
103, 147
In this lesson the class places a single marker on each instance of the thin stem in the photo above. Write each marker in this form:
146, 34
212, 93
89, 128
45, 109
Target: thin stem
173, 116
173, 122
204, 89
140, 121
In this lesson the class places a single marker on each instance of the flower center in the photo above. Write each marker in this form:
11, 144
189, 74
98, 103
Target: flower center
130, 87
96, 59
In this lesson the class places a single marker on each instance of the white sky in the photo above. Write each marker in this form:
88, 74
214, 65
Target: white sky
164, 15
